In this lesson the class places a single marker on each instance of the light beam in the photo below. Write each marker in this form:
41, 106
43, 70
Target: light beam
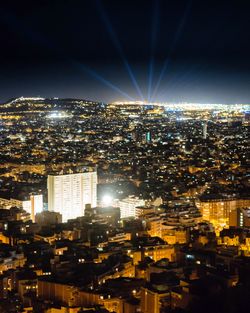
172, 49
152, 46
118, 46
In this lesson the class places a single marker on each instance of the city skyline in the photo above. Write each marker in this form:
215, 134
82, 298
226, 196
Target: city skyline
123, 207
124, 156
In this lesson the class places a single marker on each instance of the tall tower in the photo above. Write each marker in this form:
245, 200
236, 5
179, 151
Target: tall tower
148, 137
69, 194
204, 132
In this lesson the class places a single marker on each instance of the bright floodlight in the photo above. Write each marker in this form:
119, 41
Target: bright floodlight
107, 200
57, 115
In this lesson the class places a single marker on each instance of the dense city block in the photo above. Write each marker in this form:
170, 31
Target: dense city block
124, 207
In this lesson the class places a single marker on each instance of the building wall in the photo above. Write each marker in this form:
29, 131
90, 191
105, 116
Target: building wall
160, 252
70, 295
55, 292
128, 206
173, 236
69, 194
150, 301
26, 286
240, 217
155, 227
47, 218
12, 262
33, 205
216, 211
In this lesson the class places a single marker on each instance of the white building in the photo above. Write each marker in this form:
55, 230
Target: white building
128, 206
32, 204
69, 194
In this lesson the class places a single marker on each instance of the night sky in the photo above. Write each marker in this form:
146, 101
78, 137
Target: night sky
126, 49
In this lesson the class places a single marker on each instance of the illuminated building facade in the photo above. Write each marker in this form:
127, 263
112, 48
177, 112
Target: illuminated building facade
217, 211
32, 205
240, 218
173, 235
128, 206
69, 194
159, 252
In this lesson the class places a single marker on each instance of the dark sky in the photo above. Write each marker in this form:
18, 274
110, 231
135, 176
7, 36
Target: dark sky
107, 50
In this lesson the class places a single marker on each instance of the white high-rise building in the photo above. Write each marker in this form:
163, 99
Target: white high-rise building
69, 194
128, 206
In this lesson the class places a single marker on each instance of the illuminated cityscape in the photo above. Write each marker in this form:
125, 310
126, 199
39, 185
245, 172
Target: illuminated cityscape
98, 200
124, 164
